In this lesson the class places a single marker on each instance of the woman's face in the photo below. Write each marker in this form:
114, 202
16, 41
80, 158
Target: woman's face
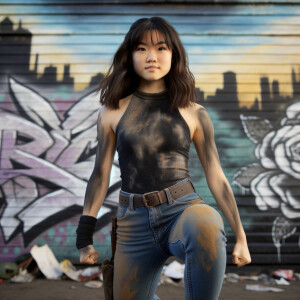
152, 58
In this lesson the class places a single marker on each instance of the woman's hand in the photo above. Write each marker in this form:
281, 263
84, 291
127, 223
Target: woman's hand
241, 255
88, 255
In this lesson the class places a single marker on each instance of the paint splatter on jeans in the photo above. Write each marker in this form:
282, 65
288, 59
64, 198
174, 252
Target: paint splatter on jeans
188, 229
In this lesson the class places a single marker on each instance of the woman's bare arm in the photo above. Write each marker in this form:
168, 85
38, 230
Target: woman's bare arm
204, 142
99, 180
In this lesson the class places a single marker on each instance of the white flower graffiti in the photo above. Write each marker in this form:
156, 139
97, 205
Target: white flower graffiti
275, 179
45, 160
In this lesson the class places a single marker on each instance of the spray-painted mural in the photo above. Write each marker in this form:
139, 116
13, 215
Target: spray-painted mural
50, 65
45, 160
274, 179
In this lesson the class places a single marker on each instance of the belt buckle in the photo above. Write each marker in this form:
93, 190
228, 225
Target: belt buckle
146, 194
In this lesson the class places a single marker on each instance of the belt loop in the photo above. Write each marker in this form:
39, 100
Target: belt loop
131, 208
169, 197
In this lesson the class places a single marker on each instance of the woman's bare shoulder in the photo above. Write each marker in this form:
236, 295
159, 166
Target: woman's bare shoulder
112, 111
196, 107
198, 116
124, 102
112, 116
194, 110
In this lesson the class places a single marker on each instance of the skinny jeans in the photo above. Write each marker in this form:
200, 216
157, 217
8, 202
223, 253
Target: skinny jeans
187, 228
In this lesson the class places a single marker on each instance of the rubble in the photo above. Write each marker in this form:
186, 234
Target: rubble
41, 260
262, 288
94, 284
8, 270
286, 274
22, 277
46, 261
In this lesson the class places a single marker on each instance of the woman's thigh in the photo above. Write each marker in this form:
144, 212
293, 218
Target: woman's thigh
198, 238
199, 224
138, 258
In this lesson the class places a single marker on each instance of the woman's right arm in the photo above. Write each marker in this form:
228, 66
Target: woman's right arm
97, 187
99, 181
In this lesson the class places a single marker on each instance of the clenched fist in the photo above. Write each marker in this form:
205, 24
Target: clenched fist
240, 254
88, 255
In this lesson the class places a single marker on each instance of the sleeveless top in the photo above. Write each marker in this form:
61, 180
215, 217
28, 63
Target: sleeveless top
153, 144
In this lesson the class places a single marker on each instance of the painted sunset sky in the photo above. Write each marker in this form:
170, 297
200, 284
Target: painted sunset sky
252, 41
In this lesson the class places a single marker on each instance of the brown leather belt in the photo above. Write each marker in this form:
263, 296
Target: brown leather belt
158, 197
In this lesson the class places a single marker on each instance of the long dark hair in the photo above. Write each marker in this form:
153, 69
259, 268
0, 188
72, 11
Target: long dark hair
121, 79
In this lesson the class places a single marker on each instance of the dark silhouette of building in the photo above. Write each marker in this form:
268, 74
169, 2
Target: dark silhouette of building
36, 64
67, 79
255, 106
15, 47
49, 76
295, 85
230, 85
275, 89
265, 94
273, 105
200, 96
15, 51
226, 98
95, 80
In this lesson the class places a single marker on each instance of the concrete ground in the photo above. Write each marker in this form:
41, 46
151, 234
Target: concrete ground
71, 290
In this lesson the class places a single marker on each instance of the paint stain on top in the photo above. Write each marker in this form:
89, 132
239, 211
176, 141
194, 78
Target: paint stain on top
153, 144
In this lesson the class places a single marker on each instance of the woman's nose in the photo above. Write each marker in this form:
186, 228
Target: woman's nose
151, 57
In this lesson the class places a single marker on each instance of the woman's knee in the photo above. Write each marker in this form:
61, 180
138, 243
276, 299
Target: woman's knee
202, 217
203, 227
206, 239
196, 218
209, 214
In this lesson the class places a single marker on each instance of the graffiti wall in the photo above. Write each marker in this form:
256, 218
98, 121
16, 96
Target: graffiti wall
246, 62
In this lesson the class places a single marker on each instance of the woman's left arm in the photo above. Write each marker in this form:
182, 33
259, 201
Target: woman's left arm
204, 142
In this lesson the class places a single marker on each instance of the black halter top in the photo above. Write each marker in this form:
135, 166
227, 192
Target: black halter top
153, 144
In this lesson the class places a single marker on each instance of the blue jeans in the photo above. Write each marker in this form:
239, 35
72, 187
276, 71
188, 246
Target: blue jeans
187, 228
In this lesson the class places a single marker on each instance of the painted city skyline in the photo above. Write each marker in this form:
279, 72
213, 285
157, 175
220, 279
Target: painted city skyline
41, 71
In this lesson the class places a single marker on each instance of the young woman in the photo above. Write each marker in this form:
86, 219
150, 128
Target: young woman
150, 117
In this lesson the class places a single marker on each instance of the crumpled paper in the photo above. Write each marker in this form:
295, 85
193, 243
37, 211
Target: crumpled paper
46, 261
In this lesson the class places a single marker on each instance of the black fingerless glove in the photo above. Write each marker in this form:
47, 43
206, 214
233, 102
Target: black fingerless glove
85, 231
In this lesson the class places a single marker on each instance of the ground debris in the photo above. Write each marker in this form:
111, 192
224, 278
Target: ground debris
262, 288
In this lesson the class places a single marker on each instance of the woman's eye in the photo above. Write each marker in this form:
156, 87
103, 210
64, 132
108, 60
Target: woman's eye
141, 49
161, 48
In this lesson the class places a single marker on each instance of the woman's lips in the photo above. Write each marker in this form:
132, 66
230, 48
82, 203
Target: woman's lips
151, 68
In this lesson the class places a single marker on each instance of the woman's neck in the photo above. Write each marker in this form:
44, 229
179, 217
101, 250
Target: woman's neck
152, 86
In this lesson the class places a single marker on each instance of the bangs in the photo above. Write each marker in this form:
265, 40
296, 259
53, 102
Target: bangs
121, 79
153, 25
